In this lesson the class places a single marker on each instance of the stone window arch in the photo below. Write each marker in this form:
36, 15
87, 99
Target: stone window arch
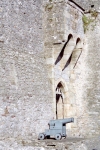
78, 43
76, 52
59, 101
74, 56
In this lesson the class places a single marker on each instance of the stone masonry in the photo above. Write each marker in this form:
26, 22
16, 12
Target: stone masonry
61, 23
45, 51
25, 90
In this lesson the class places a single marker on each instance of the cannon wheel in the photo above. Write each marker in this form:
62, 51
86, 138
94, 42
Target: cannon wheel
41, 136
58, 137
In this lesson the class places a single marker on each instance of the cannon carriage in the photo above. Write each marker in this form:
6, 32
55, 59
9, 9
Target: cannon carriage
57, 129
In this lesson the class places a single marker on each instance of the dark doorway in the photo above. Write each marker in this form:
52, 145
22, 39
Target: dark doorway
59, 102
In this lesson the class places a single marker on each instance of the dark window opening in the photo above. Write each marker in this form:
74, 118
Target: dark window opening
59, 96
51, 145
92, 6
59, 85
78, 40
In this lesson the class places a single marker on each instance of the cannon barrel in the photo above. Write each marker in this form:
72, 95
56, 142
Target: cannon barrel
68, 120
63, 121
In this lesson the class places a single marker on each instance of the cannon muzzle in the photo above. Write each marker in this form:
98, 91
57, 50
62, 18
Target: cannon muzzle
68, 120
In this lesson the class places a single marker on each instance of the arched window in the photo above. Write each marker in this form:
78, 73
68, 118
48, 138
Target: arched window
59, 101
76, 52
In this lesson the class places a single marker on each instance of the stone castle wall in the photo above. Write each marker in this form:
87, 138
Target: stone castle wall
25, 90
74, 77
32, 36
60, 22
87, 82
92, 84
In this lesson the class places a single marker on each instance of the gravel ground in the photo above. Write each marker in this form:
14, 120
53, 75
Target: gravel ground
66, 144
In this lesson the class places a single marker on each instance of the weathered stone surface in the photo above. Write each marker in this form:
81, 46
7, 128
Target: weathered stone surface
25, 92
88, 4
32, 36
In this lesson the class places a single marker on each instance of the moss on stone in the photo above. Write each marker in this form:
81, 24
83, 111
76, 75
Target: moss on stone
88, 20
94, 14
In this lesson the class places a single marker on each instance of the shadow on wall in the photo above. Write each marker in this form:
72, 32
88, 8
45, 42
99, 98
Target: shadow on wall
75, 54
62, 51
74, 57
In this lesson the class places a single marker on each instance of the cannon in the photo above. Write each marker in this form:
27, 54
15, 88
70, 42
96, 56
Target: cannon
57, 129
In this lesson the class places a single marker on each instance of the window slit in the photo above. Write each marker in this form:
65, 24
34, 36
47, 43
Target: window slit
77, 60
62, 51
68, 61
